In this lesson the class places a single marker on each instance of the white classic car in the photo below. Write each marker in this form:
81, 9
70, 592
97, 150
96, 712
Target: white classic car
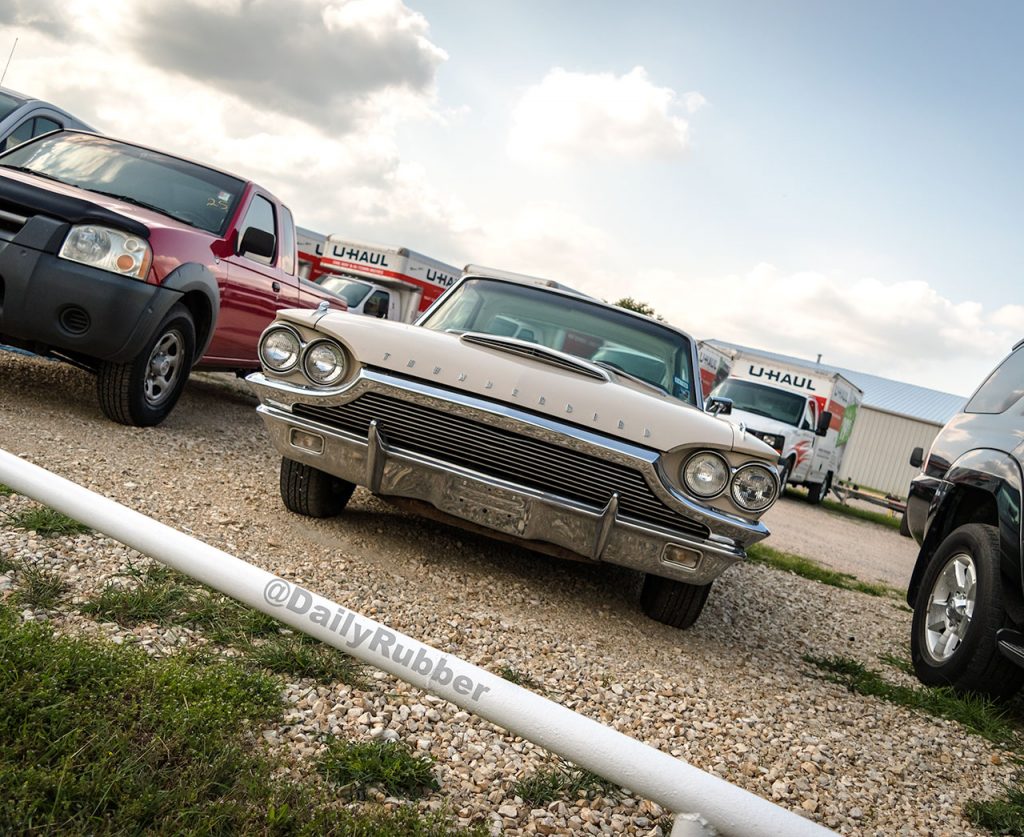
527, 411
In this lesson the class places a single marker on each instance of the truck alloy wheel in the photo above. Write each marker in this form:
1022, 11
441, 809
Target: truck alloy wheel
959, 609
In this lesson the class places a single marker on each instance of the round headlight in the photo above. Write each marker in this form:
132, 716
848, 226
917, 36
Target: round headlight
279, 349
87, 244
706, 474
324, 363
754, 487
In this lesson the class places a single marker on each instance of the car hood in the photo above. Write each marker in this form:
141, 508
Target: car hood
548, 385
763, 424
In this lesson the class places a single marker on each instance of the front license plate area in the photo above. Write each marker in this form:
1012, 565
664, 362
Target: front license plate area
486, 506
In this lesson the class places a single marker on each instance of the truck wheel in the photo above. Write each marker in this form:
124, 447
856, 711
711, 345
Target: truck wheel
312, 492
143, 391
958, 610
786, 470
817, 491
672, 602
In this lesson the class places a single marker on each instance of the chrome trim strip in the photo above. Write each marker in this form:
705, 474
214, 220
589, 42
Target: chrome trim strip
537, 352
607, 522
376, 457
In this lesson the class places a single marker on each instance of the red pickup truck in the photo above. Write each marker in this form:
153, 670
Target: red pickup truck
140, 266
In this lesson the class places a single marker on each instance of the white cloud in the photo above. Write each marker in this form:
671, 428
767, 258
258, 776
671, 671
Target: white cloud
570, 115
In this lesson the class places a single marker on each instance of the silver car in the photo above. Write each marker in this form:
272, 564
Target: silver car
23, 117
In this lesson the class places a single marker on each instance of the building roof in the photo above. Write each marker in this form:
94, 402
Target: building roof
897, 397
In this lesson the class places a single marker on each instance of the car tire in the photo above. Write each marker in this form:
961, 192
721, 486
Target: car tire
960, 603
143, 391
672, 602
311, 492
787, 469
817, 491
905, 526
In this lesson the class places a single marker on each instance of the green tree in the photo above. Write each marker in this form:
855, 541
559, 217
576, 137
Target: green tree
638, 306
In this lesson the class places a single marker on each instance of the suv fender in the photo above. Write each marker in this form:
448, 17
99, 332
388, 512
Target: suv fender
982, 474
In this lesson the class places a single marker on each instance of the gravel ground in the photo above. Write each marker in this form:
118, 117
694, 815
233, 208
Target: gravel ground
731, 696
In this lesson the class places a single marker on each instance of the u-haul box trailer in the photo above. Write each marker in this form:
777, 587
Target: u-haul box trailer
374, 279
804, 411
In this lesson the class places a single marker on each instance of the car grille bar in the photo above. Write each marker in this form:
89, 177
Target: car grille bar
505, 455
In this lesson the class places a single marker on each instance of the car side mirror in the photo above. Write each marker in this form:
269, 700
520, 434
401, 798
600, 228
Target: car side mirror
718, 406
824, 420
917, 457
258, 242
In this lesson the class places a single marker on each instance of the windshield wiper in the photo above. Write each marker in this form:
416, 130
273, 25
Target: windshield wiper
42, 174
618, 370
144, 205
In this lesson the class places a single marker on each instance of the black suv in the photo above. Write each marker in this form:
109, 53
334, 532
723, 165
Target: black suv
964, 509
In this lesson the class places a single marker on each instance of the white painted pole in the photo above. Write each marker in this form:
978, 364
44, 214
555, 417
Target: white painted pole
672, 783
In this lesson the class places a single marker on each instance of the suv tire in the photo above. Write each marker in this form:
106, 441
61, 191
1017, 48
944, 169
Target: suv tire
308, 491
672, 602
960, 604
143, 391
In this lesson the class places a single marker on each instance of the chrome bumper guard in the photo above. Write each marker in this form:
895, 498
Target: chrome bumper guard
482, 500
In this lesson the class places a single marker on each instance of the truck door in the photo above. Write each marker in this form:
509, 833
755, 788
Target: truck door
805, 442
378, 304
256, 287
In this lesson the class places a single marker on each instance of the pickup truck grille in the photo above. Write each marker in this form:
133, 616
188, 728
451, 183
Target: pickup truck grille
11, 223
505, 455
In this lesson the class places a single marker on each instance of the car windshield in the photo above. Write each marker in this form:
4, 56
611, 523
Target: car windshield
349, 290
641, 348
787, 407
9, 104
185, 191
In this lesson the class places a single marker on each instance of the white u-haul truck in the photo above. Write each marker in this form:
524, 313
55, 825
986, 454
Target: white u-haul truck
395, 283
804, 411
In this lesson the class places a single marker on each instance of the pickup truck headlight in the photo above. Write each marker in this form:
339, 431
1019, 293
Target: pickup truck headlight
108, 249
279, 349
705, 474
754, 487
324, 362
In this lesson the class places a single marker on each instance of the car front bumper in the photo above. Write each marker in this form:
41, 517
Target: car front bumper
303, 426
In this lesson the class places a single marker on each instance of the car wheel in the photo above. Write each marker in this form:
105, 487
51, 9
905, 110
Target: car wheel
311, 492
143, 391
672, 602
817, 491
905, 526
959, 609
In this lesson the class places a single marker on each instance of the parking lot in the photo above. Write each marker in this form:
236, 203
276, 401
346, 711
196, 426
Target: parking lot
733, 695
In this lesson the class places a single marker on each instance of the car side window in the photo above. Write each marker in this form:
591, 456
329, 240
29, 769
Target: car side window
261, 216
42, 125
23, 133
1002, 389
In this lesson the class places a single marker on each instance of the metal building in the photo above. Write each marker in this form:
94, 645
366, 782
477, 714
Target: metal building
894, 419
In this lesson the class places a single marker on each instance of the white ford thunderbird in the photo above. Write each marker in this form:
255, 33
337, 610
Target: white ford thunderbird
527, 411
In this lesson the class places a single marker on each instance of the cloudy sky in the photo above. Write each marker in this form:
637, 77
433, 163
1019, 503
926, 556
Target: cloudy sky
806, 177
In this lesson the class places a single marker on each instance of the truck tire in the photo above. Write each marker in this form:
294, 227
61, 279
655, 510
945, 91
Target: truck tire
817, 491
958, 610
672, 602
143, 391
311, 492
785, 470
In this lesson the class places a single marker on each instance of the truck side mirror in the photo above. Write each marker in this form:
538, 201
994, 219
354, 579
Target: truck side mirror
824, 420
917, 457
258, 242
718, 406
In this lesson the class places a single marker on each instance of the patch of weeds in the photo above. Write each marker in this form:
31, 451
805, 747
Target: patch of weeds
899, 663
46, 522
391, 766
300, 656
903, 608
564, 781
977, 714
520, 678
805, 567
100, 739
1003, 815
880, 518
38, 588
7, 564
5, 490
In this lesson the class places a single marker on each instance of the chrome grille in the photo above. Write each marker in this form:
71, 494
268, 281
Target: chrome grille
502, 454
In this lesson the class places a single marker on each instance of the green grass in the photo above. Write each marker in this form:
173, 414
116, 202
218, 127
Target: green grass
1003, 815
979, 715
562, 781
805, 567
162, 596
892, 522
5, 491
7, 564
391, 766
46, 522
39, 588
100, 739
520, 678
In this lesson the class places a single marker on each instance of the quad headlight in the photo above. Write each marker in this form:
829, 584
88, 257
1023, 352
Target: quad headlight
754, 487
706, 474
324, 362
108, 249
279, 349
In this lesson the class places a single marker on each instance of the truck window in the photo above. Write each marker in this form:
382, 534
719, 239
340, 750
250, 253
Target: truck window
377, 305
762, 400
261, 216
1002, 389
287, 246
